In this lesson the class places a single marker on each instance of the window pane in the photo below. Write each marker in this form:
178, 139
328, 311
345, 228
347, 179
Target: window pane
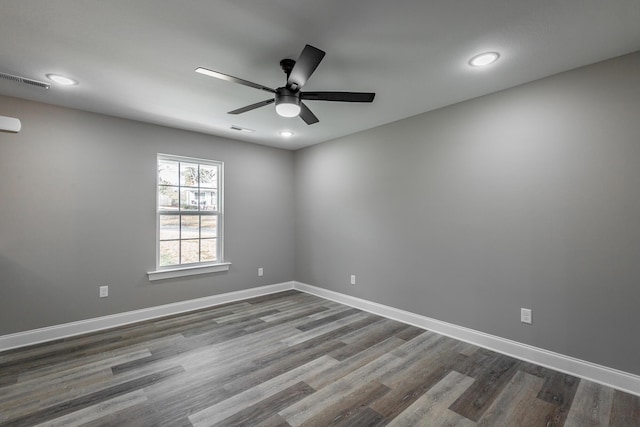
209, 248
190, 226
209, 226
189, 174
188, 211
208, 200
169, 253
169, 227
208, 176
168, 172
189, 199
167, 198
190, 251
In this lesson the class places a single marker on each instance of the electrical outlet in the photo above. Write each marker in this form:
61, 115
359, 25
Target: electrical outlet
260, 272
104, 291
525, 315
353, 279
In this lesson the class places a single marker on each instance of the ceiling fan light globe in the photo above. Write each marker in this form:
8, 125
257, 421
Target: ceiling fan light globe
288, 110
287, 102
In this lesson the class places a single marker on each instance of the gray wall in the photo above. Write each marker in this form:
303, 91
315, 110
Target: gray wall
77, 210
525, 198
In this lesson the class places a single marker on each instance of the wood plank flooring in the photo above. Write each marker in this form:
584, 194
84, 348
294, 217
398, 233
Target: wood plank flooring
290, 359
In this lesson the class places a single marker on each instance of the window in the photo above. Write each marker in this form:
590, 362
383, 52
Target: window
189, 212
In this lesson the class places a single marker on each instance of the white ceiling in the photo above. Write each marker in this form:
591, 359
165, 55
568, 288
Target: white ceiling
136, 58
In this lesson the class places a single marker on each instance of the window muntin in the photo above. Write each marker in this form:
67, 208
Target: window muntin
189, 211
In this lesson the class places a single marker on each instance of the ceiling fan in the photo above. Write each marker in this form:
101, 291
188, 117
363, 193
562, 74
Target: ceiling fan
288, 98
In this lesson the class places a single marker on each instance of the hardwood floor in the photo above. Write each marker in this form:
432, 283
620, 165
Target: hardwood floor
290, 359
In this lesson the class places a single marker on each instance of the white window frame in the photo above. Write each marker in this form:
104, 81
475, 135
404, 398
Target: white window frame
179, 270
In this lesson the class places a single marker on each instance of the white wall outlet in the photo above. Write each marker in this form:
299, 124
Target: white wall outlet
525, 315
260, 272
104, 291
353, 279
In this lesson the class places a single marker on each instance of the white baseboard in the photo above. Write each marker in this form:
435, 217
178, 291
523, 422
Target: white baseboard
36, 336
620, 380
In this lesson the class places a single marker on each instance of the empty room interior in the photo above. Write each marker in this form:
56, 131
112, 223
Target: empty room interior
287, 213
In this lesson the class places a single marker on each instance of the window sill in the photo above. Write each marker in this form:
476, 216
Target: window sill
187, 271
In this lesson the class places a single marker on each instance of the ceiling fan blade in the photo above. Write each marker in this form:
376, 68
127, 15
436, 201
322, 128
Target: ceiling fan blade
306, 115
306, 64
253, 106
338, 96
232, 79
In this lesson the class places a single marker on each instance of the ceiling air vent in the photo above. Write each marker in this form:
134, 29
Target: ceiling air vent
241, 129
24, 80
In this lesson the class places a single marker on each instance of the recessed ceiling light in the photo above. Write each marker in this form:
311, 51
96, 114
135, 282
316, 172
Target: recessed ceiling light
61, 80
484, 59
286, 134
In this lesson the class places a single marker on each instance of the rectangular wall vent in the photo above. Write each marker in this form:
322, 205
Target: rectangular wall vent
24, 80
